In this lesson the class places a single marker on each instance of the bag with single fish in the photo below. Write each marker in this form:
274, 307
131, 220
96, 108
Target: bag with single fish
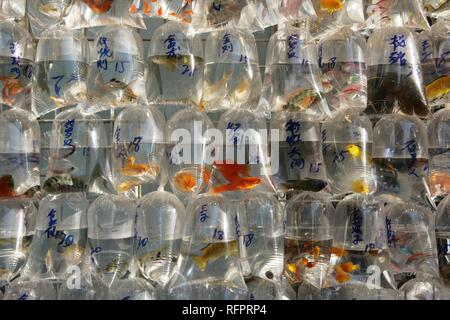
174, 10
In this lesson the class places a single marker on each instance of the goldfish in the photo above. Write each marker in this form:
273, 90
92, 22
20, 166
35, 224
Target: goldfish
340, 275
440, 182
331, 6
242, 90
360, 186
349, 267
211, 92
7, 186
316, 252
354, 151
186, 182
132, 169
340, 252
307, 263
146, 8
238, 176
10, 87
215, 251
99, 6
438, 89
301, 99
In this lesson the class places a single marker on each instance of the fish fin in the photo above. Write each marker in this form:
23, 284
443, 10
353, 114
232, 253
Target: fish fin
200, 262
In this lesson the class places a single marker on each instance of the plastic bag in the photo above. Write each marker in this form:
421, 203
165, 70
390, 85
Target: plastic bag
188, 170
400, 158
210, 15
232, 77
16, 64
60, 238
292, 80
343, 63
300, 160
425, 288
61, 70
436, 8
30, 289
12, 9
91, 288
19, 153
434, 51
443, 239
347, 149
175, 67
293, 10
439, 152
100, 13
175, 10
394, 74
138, 150
209, 266
44, 14
132, 288
17, 218
411, 240
79, 155
116, 72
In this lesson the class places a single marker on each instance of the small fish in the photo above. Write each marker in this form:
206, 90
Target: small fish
7, 186
73, 254
301, 99
354, 151
340, 252
215, 251
237, 175
153, 255
360, 186
331, 6
133, 169
146, 8
340, 275
212, 91
10, 88
316, 252
99, 6
186, 182
440, 182
438, 89
115, 265
307, 263
349, 267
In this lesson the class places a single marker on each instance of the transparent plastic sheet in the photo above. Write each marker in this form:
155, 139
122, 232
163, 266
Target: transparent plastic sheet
232, 76
384, 13
264, 289
17, 219
13, 9
43, 14
336, 13
411, 239
30, 289
61, 68
132, 288
425, 288
308, 239
209, 266
436, 8
116, 71
434, 49
360, 254
78, 154
188, 169
173, 10
213, 15
138, 148
100, 13
443, 239
347, 150
394, 74
343, 63
60, 237
300, 158
175, 66
259, 226
400, 159
292, 79
439, 153
16, 64
160, 221
91, 288
111, 236
241, 161
19, 153
268, 12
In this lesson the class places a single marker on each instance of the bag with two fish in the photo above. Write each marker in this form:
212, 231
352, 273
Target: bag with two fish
210, 15
388, 12
175, 10
43, 14
335, 13
98, 13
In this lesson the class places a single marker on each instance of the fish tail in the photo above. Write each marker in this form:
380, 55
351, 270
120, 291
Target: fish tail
147, 8
200, 262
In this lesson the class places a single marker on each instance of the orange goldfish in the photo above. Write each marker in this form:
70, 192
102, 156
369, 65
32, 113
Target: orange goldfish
10, 87
340, 275
99, 6
360, 186
186, 182
316, 252
146, 8
340, 252
331, 6
132, 169
438, 88
7, 186
308, 263
440, 182
215, 251
349, 267
238, 176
